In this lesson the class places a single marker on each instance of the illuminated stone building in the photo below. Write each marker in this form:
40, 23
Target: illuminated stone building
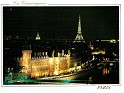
41, 66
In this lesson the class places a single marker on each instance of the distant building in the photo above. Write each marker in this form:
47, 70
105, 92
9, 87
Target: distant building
43, 65
7, 37
37, 37
91, 46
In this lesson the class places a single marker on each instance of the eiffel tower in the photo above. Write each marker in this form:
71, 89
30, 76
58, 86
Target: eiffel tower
79, 37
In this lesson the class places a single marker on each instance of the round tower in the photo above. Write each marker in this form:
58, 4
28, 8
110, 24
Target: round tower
26, 57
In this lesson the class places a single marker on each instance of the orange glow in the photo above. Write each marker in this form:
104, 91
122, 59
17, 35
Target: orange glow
105, 71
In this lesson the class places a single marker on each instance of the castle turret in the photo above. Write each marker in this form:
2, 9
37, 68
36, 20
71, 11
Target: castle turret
26, 57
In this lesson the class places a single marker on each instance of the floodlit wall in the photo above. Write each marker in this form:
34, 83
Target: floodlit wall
49, 66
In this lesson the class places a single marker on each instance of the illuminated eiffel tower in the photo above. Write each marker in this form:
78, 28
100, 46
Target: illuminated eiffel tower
79, 37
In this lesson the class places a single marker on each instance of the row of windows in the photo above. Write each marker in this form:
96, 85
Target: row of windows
39, 64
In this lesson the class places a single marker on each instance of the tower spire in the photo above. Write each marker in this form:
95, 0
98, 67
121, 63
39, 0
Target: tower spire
79, 37
79, 25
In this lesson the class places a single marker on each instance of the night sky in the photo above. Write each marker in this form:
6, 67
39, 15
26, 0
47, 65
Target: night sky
62, 22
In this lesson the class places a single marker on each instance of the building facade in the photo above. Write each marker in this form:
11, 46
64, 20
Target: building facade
44, 65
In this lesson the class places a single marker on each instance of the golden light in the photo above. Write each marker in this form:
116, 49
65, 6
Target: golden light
51, 60
112, 41
57, 59
44, 67
36, 74
99, 52
56, 72
37, 37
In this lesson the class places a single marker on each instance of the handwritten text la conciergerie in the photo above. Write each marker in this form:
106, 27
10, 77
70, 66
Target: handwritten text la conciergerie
27, 3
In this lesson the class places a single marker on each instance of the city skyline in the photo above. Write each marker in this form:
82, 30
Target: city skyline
97, 22
56, 45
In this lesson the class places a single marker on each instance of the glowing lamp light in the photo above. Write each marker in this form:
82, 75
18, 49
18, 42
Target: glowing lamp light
105, 71
111, 64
